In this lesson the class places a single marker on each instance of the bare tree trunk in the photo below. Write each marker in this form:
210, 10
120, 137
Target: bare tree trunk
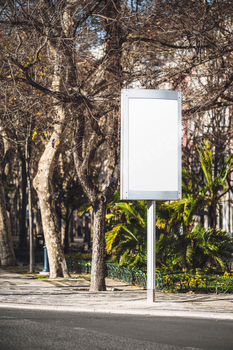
29, 186
6, 244
31, 240
67, 239
23, 231
39, 227
213, 215
56, 256
64, 208
43, 180
97, 267
63, 233
43, 186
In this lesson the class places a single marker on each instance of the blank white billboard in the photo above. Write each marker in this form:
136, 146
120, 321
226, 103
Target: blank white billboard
150, 144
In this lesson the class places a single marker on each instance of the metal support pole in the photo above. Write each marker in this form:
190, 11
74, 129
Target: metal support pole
46, 265
150, 251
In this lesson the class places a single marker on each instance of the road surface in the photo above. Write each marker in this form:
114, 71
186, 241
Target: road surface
22, 329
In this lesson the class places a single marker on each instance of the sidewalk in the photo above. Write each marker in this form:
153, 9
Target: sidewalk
21, 290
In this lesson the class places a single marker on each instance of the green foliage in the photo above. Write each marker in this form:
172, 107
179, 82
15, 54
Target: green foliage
216, 184
197, 193
182, 282
126, 239
79, 256
84, 209
179, 282
174, 214
181, 246
198, 251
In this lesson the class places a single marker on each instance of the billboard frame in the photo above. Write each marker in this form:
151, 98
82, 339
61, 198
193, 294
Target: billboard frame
147, 94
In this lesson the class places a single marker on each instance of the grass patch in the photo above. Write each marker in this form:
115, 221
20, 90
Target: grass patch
84, 277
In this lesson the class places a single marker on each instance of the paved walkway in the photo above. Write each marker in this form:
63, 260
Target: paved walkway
21, 290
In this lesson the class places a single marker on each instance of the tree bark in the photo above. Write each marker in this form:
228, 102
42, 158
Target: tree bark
56, 256
67, 239
31, 239
97, 267
98, 199
6, 244
43, 180
213, 215
43, 185
23, 231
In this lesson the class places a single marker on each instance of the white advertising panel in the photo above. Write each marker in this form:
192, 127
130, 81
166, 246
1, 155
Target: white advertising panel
150, 144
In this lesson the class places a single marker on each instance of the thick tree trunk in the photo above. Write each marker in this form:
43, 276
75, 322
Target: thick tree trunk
43, 185
43, 180
97, 267
6, 244
57, 263
98, 199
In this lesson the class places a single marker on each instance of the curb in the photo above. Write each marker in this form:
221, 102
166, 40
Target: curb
141, 312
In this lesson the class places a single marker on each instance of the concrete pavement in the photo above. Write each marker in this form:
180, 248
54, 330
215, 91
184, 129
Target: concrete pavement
18, 289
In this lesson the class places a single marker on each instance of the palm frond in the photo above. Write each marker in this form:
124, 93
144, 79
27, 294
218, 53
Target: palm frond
130, 233
84, 208
111, 236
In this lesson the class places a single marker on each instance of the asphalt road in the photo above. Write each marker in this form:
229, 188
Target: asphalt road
22, 329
